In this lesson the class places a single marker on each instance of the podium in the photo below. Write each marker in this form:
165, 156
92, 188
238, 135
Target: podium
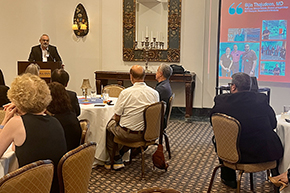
46, 68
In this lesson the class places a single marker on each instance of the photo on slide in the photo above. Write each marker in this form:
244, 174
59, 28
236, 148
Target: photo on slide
273, 50
244, 34
272, 68
274, 30
238, 57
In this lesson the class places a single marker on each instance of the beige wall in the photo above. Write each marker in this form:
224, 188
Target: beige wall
24, 21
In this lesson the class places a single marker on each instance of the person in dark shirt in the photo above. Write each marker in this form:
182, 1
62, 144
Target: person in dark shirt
266, 34
60, 107
163, 87
277, 70
62, 77
3, 91
258, 142
44, 52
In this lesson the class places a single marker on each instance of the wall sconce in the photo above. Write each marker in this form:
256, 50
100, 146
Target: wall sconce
85, 86
80, 21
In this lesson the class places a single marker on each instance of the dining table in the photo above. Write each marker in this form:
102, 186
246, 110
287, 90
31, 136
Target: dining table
283, 131
8, 162
98, 114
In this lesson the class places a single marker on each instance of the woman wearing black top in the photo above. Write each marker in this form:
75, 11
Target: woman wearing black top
60, 107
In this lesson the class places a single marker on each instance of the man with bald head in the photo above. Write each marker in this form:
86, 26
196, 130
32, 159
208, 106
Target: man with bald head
128, 121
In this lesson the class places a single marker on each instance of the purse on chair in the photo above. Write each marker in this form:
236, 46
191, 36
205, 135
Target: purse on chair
159, 159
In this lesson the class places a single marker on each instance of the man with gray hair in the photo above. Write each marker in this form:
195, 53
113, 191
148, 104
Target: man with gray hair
44, 52
258, 141
163, 87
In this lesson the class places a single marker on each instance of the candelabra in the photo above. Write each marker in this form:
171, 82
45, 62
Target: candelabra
146, 47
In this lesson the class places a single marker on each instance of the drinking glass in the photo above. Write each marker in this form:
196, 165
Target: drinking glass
286, 112
106, 96
93, 96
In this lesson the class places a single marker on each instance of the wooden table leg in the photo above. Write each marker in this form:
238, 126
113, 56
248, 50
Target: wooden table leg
189, 87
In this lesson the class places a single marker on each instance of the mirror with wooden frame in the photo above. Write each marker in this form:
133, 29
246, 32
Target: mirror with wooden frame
133, 51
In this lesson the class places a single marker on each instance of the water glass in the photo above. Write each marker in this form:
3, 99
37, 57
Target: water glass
93, 96
106, 95
286, 112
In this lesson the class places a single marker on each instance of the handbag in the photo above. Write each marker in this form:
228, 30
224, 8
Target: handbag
158, 158
177, 69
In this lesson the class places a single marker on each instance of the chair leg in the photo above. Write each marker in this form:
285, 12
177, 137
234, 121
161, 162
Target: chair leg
131, 156
251, 181
212, 177
113, 155
239, 181
167, 145
268, 174
142, 161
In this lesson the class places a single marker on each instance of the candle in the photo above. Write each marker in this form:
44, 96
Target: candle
152, 35
161, 36
142, 37
157, 38
146, 31
136, 34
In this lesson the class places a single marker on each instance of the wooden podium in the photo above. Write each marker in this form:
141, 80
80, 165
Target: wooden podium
46, 68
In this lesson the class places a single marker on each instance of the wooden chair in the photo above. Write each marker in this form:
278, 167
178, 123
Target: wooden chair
114, 89
158, 190
85, 125
153, 116
168, 113
2, 115
34, 177
227, 131
74, 169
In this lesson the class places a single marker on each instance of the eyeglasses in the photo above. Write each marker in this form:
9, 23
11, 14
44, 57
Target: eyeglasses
45, 40
230, 84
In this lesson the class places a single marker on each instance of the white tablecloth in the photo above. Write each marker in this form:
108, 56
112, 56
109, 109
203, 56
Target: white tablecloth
98, 117
283, 131
8, 162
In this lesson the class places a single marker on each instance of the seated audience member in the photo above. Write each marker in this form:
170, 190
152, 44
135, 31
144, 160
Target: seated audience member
163, 87
33, 69
61, 108
3, 91
61, 76
36, 135
258, 141
281, 180
128, 121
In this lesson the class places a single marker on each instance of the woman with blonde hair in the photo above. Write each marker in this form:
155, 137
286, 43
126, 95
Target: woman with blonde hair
36, 135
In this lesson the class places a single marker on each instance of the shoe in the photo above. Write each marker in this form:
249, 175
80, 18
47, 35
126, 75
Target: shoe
232, 184
116, 166
277, 182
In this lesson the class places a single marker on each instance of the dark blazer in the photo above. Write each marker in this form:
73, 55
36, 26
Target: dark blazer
74, 102
258, 140
3, 95
36, 54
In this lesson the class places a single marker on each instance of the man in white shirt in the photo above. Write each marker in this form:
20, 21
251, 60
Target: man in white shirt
128, 122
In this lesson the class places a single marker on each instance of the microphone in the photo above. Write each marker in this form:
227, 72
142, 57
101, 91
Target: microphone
48, 55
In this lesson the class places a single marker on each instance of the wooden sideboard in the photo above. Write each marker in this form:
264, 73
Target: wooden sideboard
188, 79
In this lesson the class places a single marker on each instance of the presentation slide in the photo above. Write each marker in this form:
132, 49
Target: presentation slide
253, 39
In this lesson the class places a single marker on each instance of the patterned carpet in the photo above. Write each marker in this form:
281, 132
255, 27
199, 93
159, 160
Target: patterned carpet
190, 168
